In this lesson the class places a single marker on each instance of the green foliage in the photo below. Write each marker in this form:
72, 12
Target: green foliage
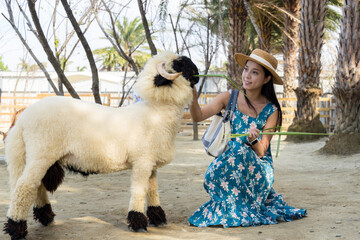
27, 67
163, 6
337, 3
3, 67
56, 42
80, 69
264, 10
332, 21
110, 58
218, 10
131, 37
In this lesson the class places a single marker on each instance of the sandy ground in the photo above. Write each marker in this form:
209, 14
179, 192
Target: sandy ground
96, 207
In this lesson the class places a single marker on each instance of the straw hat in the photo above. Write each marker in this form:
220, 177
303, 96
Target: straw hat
263, 58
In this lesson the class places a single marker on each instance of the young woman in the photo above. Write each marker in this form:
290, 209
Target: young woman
240, 181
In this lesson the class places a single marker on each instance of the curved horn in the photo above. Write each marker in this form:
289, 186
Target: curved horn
161, 70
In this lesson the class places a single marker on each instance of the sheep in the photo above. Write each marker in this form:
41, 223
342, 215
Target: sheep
88, 138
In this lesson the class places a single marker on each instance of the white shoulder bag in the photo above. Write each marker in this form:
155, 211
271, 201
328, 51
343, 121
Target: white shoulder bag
218, 133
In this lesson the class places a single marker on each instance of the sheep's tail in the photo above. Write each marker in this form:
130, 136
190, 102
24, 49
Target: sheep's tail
13, 121
3, 134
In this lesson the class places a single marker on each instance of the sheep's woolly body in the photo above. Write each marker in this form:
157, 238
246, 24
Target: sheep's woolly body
95, 138
92, 138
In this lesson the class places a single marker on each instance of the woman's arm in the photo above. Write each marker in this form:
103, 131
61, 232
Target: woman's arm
261, 146
199, 114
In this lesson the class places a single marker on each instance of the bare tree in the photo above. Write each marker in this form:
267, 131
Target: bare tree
90, 57
114, 38
28, 48
61, 53
146, 27
182, 45
210, 45
49, 52
55, 58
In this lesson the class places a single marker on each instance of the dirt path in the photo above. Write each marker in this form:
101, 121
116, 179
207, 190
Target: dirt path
96, 207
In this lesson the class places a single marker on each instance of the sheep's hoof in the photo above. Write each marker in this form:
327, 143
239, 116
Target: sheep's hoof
156, 216
44, 214
137, 221
16, 229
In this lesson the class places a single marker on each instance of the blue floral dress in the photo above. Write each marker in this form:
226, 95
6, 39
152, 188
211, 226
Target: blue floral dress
240, 183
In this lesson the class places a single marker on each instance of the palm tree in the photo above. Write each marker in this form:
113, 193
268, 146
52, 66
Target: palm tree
266, 23
131, 36
311, 34
346, 89
110, 58
290, 49
236, 37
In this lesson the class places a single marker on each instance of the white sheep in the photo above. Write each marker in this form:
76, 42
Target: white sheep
59, 132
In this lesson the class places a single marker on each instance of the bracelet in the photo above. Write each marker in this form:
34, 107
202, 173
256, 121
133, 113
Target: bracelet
253, 142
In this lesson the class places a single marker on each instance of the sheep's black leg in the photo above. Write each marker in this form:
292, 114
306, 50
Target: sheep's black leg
16, 229
155, 213
140, 176
44, 214
137, 221
42, 208
156, 216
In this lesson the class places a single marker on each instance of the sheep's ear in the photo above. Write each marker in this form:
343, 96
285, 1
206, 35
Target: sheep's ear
161, 81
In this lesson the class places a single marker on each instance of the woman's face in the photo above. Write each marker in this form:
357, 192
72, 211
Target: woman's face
253, 76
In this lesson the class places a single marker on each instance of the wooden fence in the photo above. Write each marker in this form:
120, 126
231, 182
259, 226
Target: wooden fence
11, 102
326, 109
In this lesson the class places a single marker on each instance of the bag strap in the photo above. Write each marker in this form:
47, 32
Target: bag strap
230, 107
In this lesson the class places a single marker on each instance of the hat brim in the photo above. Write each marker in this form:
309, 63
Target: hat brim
241, 59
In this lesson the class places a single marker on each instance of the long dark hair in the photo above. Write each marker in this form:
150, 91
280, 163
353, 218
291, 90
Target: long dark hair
269, 92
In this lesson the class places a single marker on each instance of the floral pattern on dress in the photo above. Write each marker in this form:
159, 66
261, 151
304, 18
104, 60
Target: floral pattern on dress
240, 183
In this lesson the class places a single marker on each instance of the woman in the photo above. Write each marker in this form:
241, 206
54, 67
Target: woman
240, 181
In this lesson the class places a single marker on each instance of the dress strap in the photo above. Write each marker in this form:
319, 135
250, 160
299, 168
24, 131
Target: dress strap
269, 109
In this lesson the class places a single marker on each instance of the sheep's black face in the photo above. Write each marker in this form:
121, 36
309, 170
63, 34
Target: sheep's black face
182, 64
188, 69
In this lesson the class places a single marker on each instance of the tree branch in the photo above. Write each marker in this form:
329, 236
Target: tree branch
49, 52
41, 66
146, 28
90, 57
116, 44
253, 21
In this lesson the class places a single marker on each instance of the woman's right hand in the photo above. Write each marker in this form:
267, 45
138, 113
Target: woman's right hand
253, 133
195, 93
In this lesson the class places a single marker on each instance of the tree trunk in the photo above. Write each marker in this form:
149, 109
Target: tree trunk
307, 107
41, 66
90, 57
347, 85
146, 28
237, 27
311, 37
290, 54
48, 51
